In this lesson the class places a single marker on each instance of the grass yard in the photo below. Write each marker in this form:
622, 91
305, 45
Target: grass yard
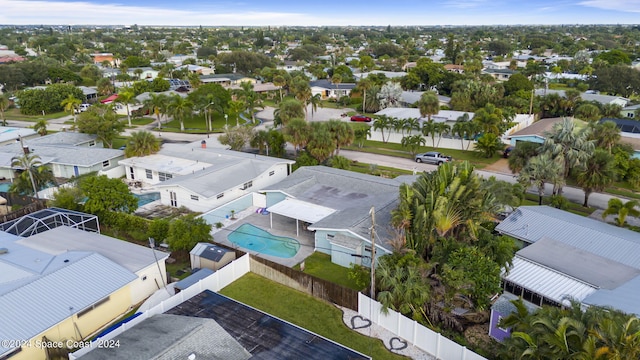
373, 169
14, 114
320, 265
176, 267
305, 311
195, 124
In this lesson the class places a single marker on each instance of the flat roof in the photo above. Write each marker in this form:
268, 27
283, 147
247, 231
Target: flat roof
263, 335
166, 164
301, 210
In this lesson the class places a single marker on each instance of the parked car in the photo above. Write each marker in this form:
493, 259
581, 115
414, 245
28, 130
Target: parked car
82, 108
433, 157
507, 151
360, 118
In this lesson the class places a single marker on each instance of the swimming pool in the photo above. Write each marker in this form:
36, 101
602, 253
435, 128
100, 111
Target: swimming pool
144, 199
256, 239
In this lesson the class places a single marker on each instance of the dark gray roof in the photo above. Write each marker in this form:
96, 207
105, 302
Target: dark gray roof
264, 336
625, 125
193, 278
169, 337
580, 264
210, 251
532, 223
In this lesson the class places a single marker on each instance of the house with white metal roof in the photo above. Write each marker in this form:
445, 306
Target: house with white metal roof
568, 256
62, 283
202, 178
10, 135
336, 205
602, 99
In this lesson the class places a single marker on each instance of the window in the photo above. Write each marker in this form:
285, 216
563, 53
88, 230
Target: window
93, 143
271, 173
85, 311
194, 198
149, 174
164, 176
219, 195
144, 278
105, 163
498, 324
247, 185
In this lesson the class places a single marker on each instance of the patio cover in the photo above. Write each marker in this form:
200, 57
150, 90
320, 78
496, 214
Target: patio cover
111, 98
300, 210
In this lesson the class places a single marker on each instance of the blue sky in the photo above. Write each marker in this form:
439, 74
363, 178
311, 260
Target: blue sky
319, 12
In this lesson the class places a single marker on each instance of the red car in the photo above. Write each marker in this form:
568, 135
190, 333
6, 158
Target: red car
361, 118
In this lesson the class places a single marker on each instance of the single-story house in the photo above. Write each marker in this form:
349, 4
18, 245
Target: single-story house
327, 89
69, 160
99, 58
499, 74
289, 66
571, 257
197, 69
536, 132
227, 79
11, 135
454, 68
89, 280
629, 112
209, 256
203, 178
409, 98
336, 205
90, 94
602, 99
388, 74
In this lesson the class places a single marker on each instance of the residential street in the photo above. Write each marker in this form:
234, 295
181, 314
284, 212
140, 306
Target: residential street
573, 194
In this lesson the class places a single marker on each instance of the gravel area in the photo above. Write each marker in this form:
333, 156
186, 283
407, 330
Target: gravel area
364, 326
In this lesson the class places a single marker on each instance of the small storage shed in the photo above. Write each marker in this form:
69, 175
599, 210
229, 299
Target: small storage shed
209, 256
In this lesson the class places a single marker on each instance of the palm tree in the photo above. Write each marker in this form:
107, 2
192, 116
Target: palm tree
411, 124
403, 288
412, 143
520, 155
569, 146
126, 98
364, 85
429, 128
606, 134
260, 140
28, 162
596, 174
491, 119
382, 123
279, 81
41, 127
4, 105
442, 129
336, 80
71, 104
488, 144
428, 104
361, 135
540, 170
156, 103
588, 112
304, 95
615, 206
341, 132
141, 143
611, 111
315, 101
251, 99
180, 108
297, 132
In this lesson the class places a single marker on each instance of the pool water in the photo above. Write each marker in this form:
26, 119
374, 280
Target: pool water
4, 187
256, 239
144, 199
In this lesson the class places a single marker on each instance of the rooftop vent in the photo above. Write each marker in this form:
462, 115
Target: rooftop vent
3, 251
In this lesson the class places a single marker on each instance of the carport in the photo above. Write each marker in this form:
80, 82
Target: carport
299, 210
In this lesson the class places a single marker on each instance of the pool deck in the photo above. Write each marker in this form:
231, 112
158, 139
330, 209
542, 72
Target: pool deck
282, 226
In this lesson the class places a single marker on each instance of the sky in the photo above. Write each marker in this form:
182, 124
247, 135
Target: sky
318, 12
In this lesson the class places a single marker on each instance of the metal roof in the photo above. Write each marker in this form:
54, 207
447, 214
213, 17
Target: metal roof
624, 298
193, 278
62, 137
504, 304
532, 223
546, 281
301, 210
61, 239
67, 154
169, 337
37, 306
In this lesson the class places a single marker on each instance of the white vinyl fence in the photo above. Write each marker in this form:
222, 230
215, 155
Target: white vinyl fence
214, 282
411, 331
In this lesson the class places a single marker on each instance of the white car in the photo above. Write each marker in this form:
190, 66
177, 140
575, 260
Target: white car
82, 108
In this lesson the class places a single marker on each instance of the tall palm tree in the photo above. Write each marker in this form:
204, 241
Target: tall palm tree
588, 112
126, 98
71, 104
429, 128
569, 146
297, 132
442, 129
428, 104
141, 143
342, 133
606, 134
336, 80
180, 108
364, 85
540, 170
279, 81
596, 174
4, 105
491, 119
28, 162
615, 206
251, 99
382, 123
156, 103
315, 101
260, 140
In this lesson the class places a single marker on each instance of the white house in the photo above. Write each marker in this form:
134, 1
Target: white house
203, 178
602, 99
327, 90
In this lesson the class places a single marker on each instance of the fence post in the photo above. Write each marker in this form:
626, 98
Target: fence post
464, 352
437, 354
415, 332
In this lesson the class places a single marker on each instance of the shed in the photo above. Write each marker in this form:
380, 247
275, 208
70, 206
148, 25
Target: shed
209, 256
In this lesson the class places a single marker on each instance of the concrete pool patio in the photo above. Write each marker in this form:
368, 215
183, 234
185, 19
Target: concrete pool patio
282, 226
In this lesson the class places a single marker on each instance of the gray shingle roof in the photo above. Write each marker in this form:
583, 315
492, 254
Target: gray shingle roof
331, 86
62, 138
68, 154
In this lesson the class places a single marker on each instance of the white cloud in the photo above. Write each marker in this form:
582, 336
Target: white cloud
618, 5
57, 12
465, 4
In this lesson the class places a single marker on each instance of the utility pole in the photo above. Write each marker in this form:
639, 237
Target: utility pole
372, 212
25, 150
531, 103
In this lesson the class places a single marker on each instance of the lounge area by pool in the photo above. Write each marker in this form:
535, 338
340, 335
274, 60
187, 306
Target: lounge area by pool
255, 239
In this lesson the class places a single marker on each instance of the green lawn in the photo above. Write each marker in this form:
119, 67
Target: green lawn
173, 269
142, 121
305, 311
373, 169
320, 265
14, 114
196, 124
